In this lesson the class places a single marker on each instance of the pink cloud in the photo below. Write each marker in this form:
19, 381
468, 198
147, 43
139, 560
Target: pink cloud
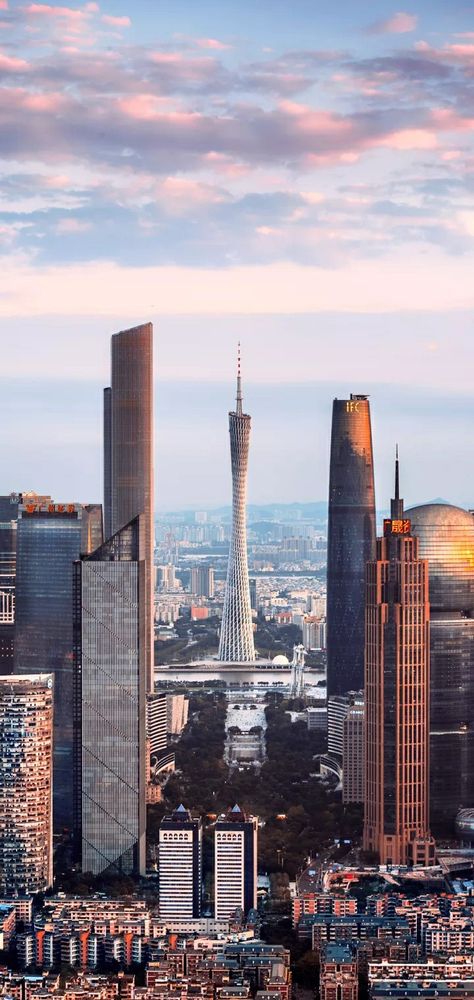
3, 4
144, 107
410, 138
211, 43
70, 226
116, 21
399, 24
47, 10
11, 64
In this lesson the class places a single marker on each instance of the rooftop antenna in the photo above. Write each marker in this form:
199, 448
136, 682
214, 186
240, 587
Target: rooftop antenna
238, 408
397, 504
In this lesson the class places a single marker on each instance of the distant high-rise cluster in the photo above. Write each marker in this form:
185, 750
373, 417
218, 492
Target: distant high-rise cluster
236, 639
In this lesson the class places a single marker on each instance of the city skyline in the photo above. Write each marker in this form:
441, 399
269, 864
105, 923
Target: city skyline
299, 181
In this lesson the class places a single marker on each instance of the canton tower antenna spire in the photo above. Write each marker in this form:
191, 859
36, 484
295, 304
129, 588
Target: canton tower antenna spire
236, 640
238, 408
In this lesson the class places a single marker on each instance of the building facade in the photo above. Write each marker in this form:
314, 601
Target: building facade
446, 539
235, 864
353, 754
351, 541
236, 638
128, 451
8, 532
110, 760
396, 821
26, 766
202, 581
180, 866
50, 537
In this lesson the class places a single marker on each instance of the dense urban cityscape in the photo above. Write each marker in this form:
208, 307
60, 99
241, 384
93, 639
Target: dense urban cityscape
235, 764
236, 500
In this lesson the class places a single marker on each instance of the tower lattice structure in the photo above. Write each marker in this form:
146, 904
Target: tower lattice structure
236, 640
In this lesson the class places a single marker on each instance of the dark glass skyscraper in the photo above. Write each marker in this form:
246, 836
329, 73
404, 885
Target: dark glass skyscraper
50, 537
110, 704
446, 538
351, 541
128, 449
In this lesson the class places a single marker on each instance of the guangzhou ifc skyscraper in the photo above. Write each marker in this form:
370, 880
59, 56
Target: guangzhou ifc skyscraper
236, 640
351, 541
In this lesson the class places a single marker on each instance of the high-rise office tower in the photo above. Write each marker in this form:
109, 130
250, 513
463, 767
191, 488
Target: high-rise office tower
236, 640
50, 537
351, 541
26, 759
202, 581
446, 539
8, 525
397, 661
128, 450
180, 866
157, 724
110, 646
353, 754
235, 864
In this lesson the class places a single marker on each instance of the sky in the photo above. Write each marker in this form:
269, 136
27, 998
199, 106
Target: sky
298, 177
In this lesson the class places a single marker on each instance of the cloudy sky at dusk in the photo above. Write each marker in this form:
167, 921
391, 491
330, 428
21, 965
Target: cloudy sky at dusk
297, 175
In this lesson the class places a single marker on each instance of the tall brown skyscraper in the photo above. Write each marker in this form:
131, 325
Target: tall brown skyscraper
128, 450
351, 541
397, 668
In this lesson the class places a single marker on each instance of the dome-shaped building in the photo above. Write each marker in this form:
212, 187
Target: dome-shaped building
446, 537
465, 827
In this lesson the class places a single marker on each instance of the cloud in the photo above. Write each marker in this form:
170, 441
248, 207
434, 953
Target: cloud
116, 21
70, 226
429, 283
12, 64
211, 43
399, 24
69, 13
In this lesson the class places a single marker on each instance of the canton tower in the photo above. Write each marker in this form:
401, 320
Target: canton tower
236, 642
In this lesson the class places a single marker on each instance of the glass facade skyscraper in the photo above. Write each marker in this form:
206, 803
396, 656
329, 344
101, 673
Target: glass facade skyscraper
351, 541
50, 537
446, 539
110, 765
128, 450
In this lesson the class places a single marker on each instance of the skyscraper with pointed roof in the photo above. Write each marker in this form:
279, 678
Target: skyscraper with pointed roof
180, 865
236, 640
397, 685
235, 864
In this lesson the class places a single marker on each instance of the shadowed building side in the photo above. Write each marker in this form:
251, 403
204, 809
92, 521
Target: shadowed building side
351, 541
236, 639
